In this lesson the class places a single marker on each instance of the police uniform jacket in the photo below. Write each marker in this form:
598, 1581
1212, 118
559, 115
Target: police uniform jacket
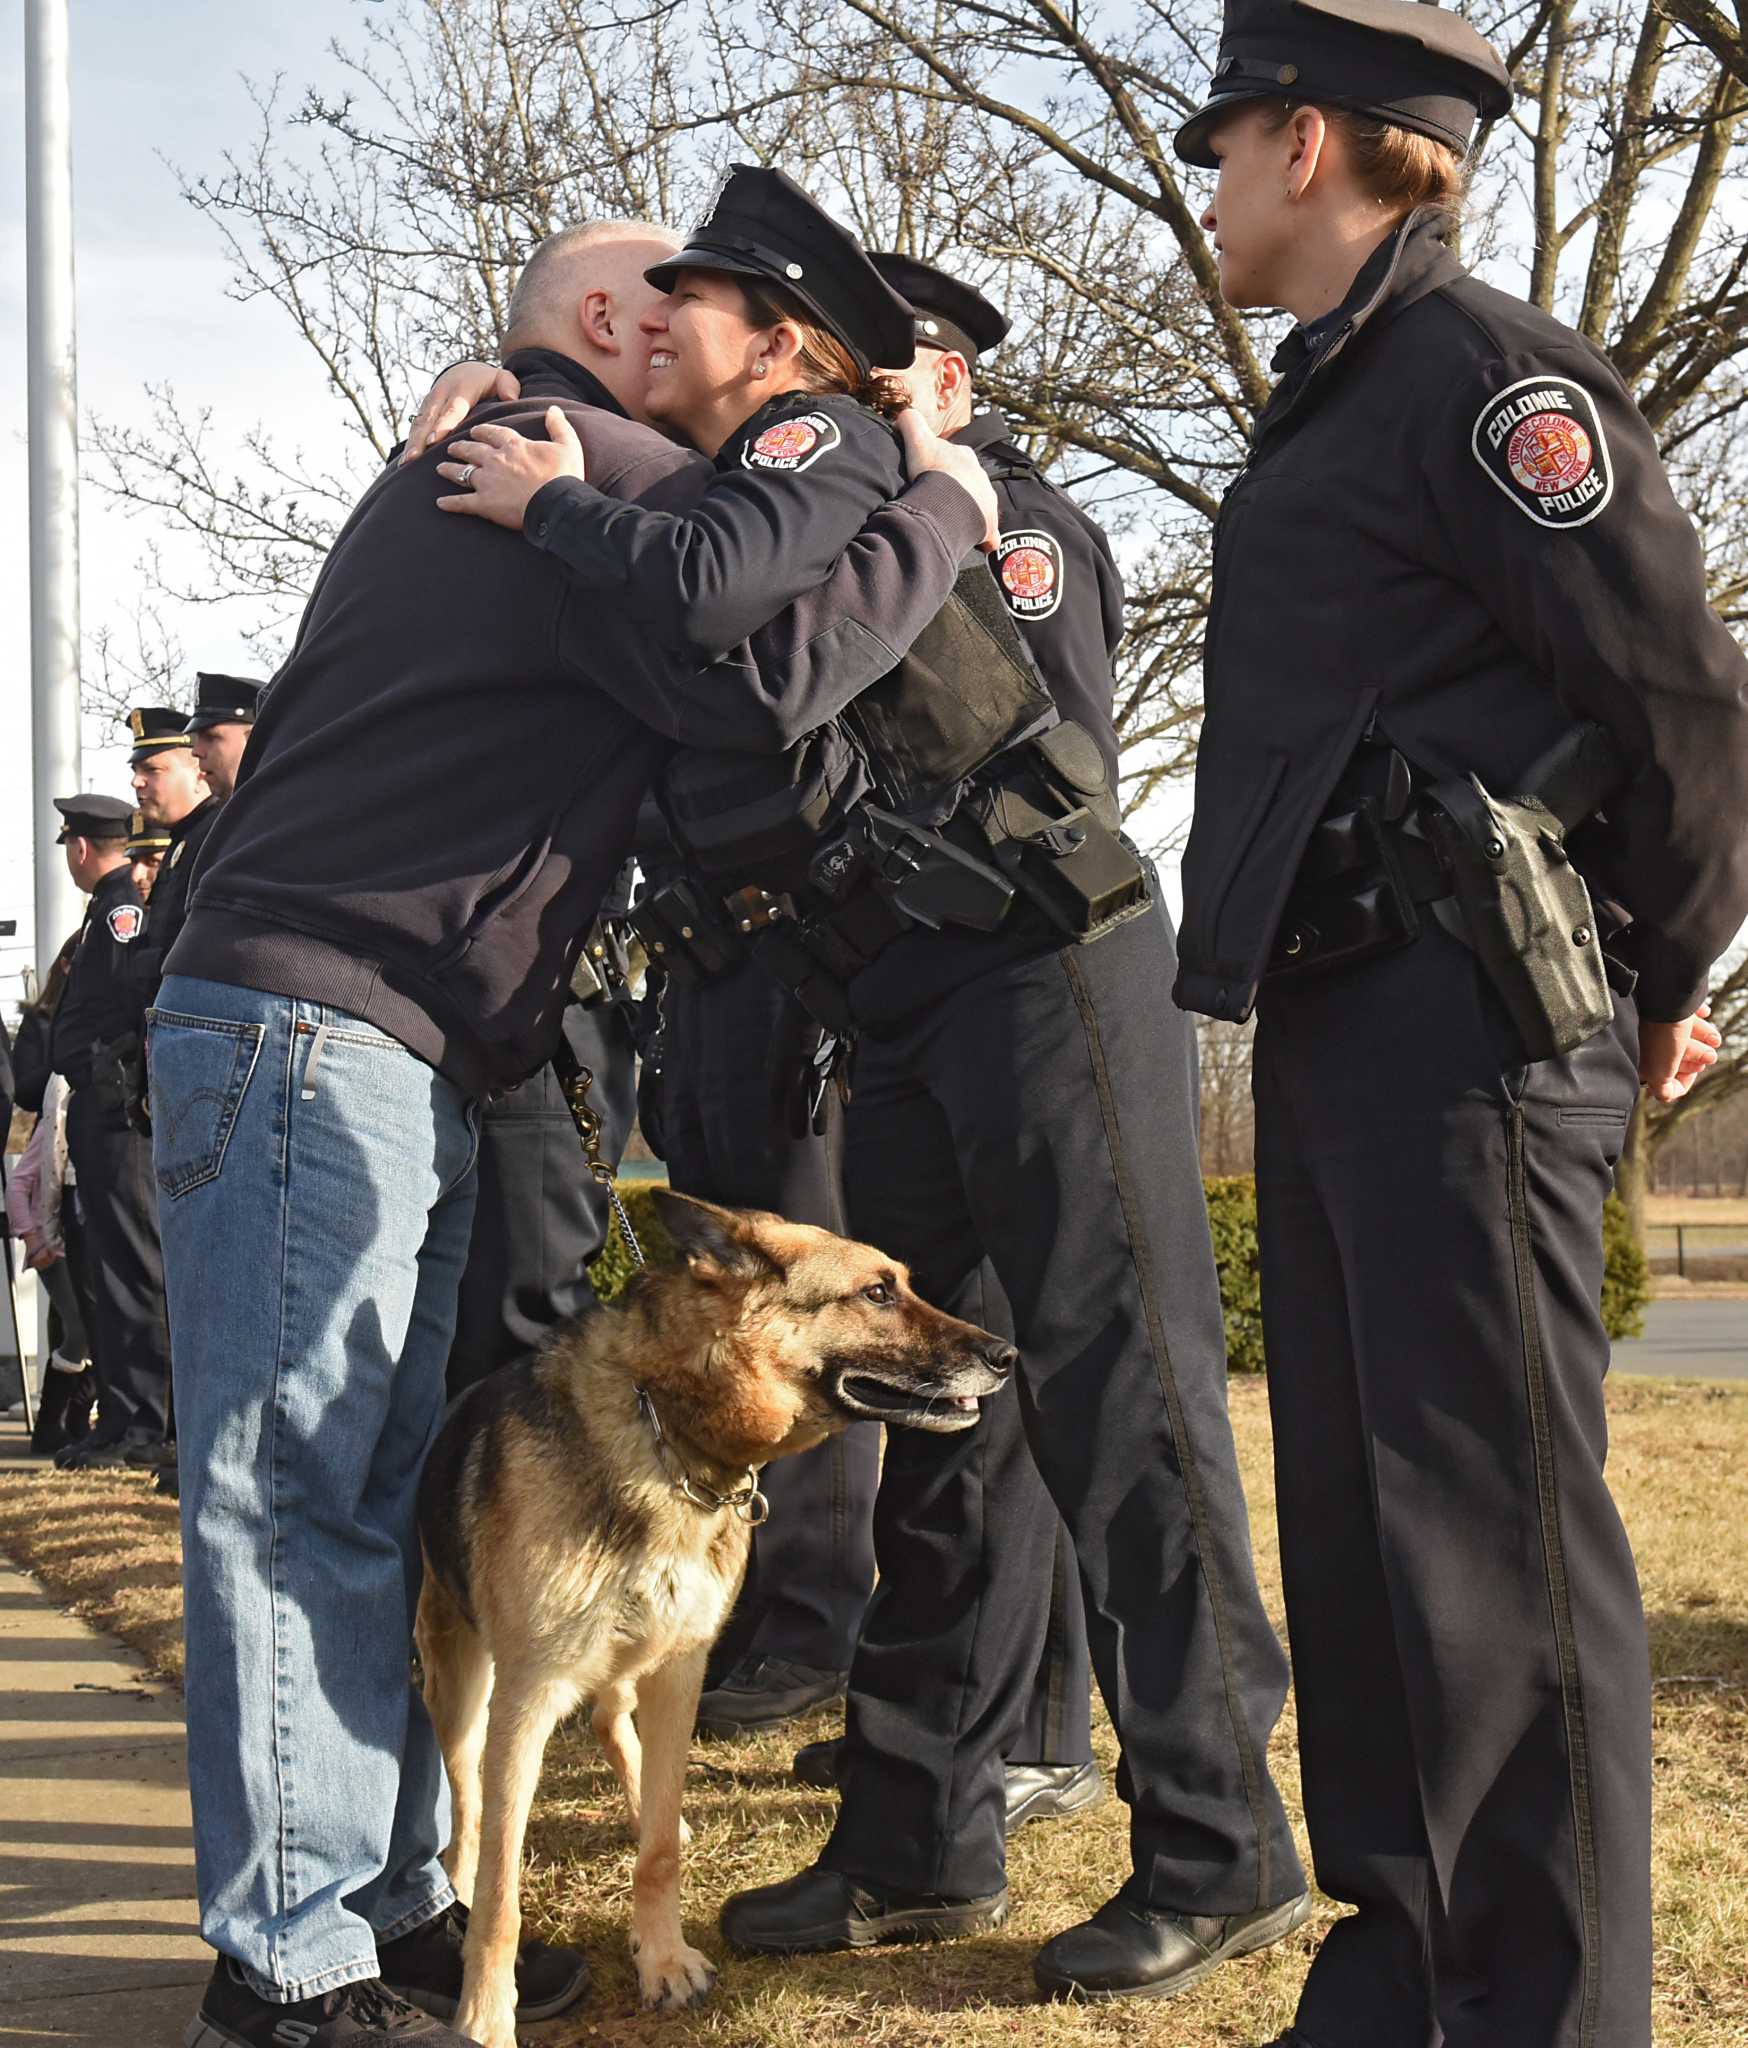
167, 906
793, 487
99, 1000
439, 654
1454, 521
1054, 569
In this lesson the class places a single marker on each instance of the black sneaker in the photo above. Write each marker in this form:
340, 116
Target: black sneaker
366, 2015
761, 1692
425, 1966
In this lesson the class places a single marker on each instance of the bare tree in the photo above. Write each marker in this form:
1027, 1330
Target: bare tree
1228, 1114
1024, 141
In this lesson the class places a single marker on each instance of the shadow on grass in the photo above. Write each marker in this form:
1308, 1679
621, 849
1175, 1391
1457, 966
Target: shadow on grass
1699, 1648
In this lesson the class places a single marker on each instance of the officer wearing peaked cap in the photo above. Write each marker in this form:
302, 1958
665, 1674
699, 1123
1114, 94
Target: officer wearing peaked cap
146, 847
1054, 570
1465, 696
1010, 1048
130, 1343
219, 727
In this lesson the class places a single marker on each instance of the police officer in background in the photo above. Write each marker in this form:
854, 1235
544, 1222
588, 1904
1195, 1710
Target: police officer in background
172, 792
146, 848
129, 1340
1054, 569
219, 727
1452, 576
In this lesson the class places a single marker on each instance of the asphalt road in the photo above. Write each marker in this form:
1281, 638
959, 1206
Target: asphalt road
1701, 1340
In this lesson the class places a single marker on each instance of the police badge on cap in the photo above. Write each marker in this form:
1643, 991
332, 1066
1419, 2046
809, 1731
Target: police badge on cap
1413, 65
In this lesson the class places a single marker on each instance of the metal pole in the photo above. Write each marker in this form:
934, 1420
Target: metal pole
54, 461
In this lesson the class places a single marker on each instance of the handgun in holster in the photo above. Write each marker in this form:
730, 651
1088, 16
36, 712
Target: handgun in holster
1523, 906
602, 973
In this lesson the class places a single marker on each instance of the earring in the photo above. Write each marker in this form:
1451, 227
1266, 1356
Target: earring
758, 369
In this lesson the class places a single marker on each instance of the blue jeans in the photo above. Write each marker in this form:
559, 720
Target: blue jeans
316, 1187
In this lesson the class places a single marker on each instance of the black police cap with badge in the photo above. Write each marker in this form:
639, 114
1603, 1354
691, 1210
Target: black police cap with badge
763, 225
155, 727
949, 314
143, 839
91, 816
1413, 65
222, 700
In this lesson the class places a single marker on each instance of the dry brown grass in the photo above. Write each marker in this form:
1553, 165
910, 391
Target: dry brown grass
1680, 1466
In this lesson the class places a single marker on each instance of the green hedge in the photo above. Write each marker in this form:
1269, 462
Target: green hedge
1626, 1273
1232, 1216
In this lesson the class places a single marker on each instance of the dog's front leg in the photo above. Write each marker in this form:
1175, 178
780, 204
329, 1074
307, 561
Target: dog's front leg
669, 1974
526, 1706
617, 1735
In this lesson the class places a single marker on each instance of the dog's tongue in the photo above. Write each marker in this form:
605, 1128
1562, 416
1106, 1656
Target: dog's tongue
964, 1400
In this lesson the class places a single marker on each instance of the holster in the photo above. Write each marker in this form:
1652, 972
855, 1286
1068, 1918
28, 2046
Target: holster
685, 930
1525, 911
1051, 823
118, 1078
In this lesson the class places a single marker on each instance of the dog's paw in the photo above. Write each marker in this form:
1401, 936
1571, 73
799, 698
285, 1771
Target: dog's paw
489, 2021
671, 1979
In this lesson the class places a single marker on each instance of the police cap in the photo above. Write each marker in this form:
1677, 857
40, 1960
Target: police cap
948, 314
155, 727
1413, 65
763, 225
143, 839
92, 817
222, 700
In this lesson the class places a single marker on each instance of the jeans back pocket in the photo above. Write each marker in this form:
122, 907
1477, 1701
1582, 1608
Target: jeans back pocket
198, 1069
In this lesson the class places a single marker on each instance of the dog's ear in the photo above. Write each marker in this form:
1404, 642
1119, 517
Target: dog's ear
713, 1240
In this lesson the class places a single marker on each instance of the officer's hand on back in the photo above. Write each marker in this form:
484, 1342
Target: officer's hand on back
924, 449
499, 470
449, 401
1672, 1057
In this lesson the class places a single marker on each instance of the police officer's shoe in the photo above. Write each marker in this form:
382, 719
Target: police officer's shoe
1034, 1791
102, 1454
149, 1456
366, 2015
1131, 1950
820, 1909
425, 1966
760, 1692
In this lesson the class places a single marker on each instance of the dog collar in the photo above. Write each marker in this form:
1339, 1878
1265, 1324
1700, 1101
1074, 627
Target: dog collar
745, 1499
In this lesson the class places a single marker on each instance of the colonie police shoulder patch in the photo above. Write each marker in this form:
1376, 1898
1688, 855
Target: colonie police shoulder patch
1541, 442
124, 923
793, 443
1028, 566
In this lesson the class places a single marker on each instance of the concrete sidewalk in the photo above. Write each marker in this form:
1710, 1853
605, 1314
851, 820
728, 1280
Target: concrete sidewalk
98, 1943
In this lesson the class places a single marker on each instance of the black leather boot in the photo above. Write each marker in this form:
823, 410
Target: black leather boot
821, 1910
1129, 1950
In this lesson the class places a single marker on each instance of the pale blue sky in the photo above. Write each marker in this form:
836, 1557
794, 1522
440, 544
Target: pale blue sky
149, 83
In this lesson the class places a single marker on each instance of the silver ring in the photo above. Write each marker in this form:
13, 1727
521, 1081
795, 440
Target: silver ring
466, 476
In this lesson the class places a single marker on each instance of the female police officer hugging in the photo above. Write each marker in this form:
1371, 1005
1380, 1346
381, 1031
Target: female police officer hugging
1452, 553
1024, 1104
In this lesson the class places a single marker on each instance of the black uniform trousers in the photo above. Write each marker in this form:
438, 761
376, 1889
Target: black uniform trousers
1469, 1650
540, 1215
730, 1045
1043, 1116
118, 1201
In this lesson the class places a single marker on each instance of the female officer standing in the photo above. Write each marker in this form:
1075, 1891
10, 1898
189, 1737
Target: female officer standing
1452, 549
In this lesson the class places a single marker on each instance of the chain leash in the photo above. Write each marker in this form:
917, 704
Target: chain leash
587, 1118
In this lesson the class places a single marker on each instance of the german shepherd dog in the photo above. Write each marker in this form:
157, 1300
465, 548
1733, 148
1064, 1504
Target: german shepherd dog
585, 1523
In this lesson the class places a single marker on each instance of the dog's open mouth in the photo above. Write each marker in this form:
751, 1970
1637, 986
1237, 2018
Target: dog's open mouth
909, 1404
